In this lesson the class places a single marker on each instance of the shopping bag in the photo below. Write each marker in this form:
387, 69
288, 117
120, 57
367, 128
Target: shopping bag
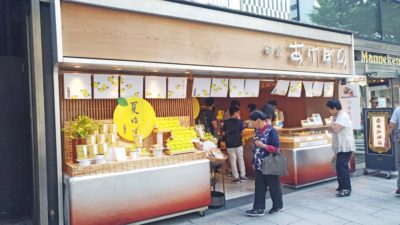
275, 164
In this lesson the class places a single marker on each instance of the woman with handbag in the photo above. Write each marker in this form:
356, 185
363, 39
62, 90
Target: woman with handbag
266, 143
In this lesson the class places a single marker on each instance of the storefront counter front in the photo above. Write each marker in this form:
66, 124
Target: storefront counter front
138, 196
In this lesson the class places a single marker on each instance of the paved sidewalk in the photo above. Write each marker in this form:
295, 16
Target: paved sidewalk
372, 202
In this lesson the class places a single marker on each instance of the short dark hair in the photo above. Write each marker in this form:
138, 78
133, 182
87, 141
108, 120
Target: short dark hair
233, 109
269, 111
373, 98
272, 102
235, 102
334, 104
209, 101
257, 114
252, 107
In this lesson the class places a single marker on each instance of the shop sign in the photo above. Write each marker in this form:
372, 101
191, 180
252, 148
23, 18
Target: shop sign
377, 131
349, 96
299, 53
384, 59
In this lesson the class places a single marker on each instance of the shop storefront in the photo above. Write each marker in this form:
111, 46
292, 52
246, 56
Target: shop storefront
142, 75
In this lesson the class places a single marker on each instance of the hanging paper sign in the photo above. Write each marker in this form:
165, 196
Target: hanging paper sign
236, 88
137, 118
317, 88
328, 89
131, 86
201, 87
77, 86
156, 87
105, 86
295, 89
281, 88
219, 87
349, 96
252, 88
177, 87
308, 88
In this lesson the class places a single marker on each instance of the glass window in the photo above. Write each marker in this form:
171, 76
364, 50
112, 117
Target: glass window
391, 20
359, 16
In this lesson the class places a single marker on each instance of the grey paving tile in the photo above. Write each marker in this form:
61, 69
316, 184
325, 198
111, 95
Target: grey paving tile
217, 221
258, 221
316, 216
385, 204
237, 217
353, 223
304, 222
206, 218
362, 218
375, 194
243, 208
351, 205
281, 218
316, 205
388, 215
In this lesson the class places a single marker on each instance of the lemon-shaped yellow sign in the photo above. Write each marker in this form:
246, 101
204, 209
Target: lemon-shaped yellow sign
196, 108
134, 117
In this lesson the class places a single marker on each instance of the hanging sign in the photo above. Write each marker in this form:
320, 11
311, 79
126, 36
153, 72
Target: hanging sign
131, 86
295, 89
77, 86
105, 86
201, 87
236, 88
156, 87
281, 88
219, 87
252, 88
177, 87
349, 96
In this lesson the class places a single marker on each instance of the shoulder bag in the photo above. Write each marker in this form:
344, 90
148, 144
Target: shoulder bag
275, 164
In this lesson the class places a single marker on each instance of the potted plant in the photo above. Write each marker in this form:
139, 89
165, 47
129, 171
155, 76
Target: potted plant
79, 130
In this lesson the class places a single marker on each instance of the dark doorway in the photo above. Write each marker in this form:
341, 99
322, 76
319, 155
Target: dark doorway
16, 173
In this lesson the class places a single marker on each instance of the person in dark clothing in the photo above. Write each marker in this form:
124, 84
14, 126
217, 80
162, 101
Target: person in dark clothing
234, 102
266, 142
232, 135
207, 117
251, 107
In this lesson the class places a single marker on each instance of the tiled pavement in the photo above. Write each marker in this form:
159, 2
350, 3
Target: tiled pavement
372, 202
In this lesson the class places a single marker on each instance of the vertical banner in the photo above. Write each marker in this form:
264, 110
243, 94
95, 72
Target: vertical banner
156, 87
295, 89
308, 88
77, 86
252, 88
201, 87
219, 87
349, 96
105, 86
236, 88
281, 88
177, 87
131, 86
328, 89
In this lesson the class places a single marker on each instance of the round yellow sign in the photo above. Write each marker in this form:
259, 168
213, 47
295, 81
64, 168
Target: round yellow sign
196, 108
137, 117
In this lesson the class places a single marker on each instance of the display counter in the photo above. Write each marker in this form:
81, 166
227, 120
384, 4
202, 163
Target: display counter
309, 153
138, 196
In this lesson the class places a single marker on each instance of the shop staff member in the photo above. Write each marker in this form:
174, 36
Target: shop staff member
374, 102
251, 107
342, 144
232, 135
266, 142
233, 103
207, 117
278, 113
394, 121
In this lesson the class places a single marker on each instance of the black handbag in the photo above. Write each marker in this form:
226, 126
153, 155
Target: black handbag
275, 164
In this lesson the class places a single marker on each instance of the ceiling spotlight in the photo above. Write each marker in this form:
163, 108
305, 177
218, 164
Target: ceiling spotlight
77, 66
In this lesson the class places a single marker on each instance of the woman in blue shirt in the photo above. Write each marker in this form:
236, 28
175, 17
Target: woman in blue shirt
266, 142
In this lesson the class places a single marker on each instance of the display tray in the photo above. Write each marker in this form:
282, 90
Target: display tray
75, 170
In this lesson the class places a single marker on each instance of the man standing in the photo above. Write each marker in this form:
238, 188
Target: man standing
394, 121
207, 117
232, 133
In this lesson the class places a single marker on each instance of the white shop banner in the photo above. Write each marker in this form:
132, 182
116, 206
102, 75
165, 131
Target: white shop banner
295, 89
77, 86
156, 87
281, 88
318, 88
131, 86
219, 87
308, 88
201, 87
349, 96
328, 89
252, 88
236, 88
105, 86
177, 87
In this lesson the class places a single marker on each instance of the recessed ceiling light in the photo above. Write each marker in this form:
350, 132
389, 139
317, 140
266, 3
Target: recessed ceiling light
118, 68
77, 66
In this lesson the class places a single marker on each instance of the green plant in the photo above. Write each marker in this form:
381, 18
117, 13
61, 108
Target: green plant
81, 127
